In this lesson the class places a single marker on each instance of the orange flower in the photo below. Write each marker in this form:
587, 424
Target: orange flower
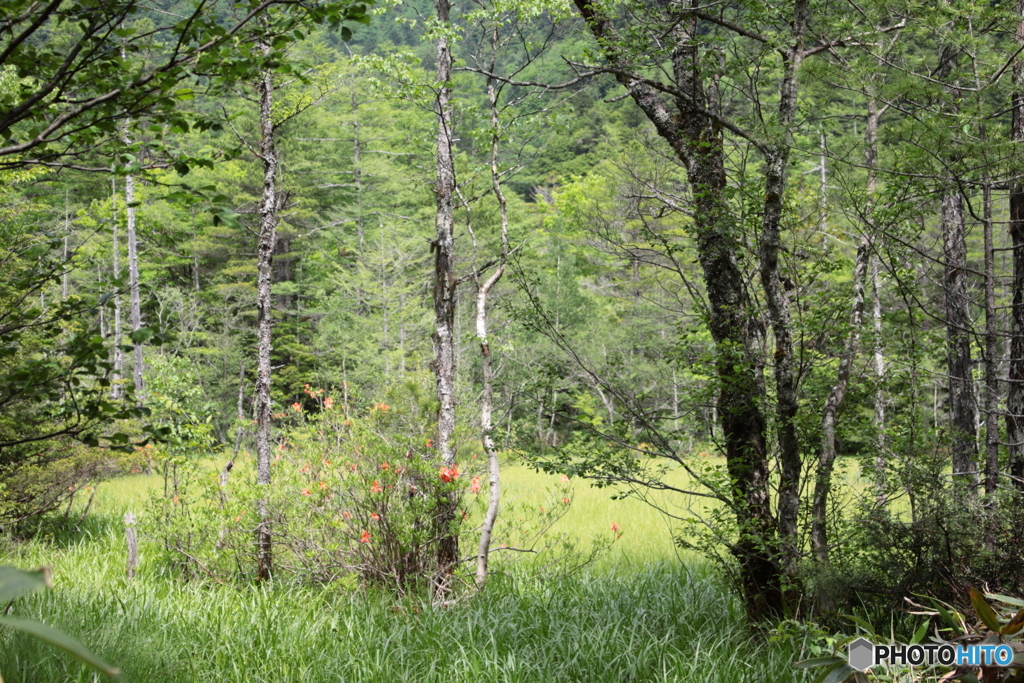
615, 527
346, 514
306, 492
327, 462
566, 501
384, 466
365, 538
323, 485
328, 403
565, 477
474, 486
175, 500
352, 467
376, 488
297, 407
449, 473
374, 516
304, 468
430, 443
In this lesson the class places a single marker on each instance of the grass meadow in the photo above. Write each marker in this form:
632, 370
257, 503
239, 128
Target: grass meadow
643, 612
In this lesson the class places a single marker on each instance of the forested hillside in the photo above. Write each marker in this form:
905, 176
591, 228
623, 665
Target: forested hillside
327, 268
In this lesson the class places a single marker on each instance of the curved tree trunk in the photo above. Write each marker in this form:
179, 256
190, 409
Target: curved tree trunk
696, 138
827, 457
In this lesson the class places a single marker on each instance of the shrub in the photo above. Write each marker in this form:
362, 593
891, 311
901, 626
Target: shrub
351, 496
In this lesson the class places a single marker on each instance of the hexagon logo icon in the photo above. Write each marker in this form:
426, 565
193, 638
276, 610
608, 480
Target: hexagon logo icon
861, 654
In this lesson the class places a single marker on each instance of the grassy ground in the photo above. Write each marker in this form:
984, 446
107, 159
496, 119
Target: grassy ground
642, 614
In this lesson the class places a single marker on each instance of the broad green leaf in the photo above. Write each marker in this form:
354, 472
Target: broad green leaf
983, 610
835, 674
919, 634
1016, 602
15, 582
818, 661
141, 335
947, 617
60, 640
840, 673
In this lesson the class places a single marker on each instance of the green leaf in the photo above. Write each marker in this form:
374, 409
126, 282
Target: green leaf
863, 624
919, 634
947, 617
834, 674
982, 609
14, 582
819, 661
64, 642
1016, 602
840, 673
141, 335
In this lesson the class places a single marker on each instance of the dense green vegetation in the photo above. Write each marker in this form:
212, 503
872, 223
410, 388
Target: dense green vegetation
298, 283
637, 614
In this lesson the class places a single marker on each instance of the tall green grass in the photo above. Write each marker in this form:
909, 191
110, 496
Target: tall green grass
642, 614
658, 624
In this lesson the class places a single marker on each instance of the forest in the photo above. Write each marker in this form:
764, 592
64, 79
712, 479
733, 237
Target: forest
510, 340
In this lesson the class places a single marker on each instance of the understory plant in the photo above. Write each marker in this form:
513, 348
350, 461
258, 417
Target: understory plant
997, 620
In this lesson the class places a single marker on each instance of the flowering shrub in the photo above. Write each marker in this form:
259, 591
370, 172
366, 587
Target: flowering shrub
351, 495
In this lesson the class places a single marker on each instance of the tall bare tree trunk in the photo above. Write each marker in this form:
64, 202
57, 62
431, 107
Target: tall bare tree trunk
959, 367
776, 163
268, 213
133, 269
879, 369
357, 170
486, 406
991, 402
445, 291
118, 354
958, 339
133, 281
67, 235
1015, 393
871, 162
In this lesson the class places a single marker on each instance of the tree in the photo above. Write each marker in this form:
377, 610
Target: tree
445, 284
